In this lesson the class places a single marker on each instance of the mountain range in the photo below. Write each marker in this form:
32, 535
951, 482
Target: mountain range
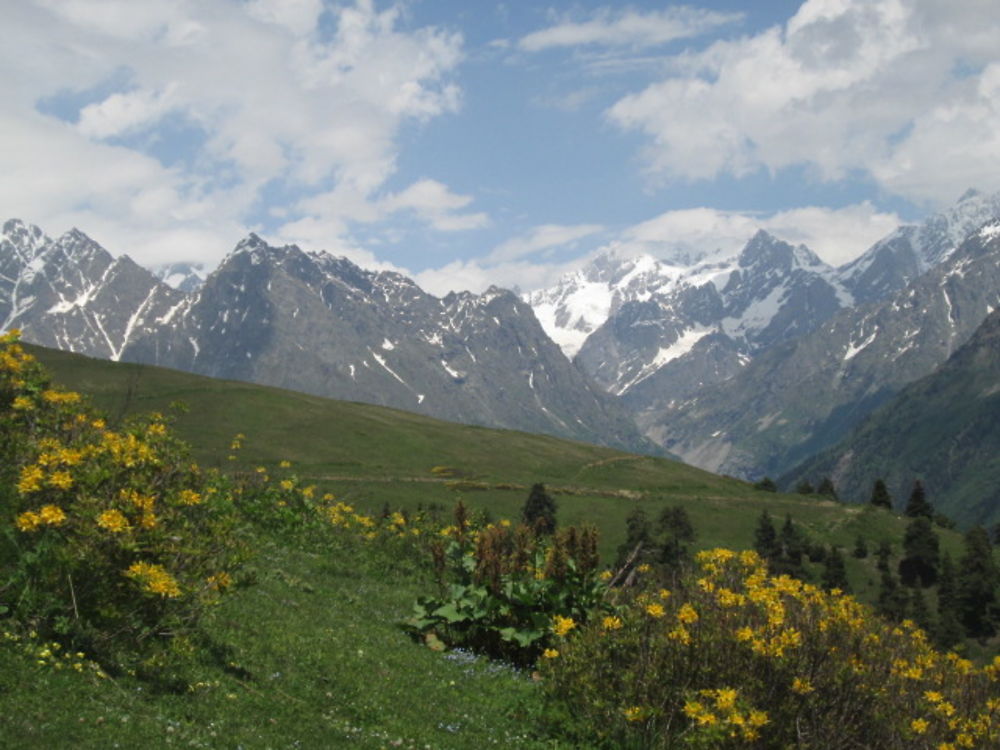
309, 322
746, 364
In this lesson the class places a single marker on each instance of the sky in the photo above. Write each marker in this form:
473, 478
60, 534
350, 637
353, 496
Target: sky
475, 143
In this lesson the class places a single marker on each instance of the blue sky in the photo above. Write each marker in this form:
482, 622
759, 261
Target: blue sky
476, 143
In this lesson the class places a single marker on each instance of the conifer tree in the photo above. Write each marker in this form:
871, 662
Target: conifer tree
978, 578
765, 539
882, 554
860, 548
677, 532
804, 487
835, 572
949, 631
766, 484
539, 512
827, 489
919, 612
792, 545
638, 536
880, 495
921, 555
892, 598
917, 505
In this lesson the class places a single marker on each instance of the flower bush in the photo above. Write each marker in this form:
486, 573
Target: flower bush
112, 539
738, 658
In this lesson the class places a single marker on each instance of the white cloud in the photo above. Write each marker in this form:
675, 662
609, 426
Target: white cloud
276, 98
476, 276
628, 28
544, 237
874, 86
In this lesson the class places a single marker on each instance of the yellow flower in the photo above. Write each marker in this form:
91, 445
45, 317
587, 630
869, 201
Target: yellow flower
562, 625
98, 424
31, 479
687, 614
220, 581
550, 653
757, 718
744, 634
725, 699
23, 403
60, 397
644, 568
155, 579
62, 480
664, 594
633, 713
802, 686
933, 696
157, 428
654, 610
611, 622
919, 725
190, 497
285, 464
28, 521
113, 521
605, 575
287, 484
52, 515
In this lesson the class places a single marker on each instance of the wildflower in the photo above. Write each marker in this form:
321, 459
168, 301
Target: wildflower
605, 575
655, 610
155, 579
919, 725
23, 403
550, 653
633, 713
190, 497
285, 464
725, 699
28, 521
287, 484
31, 479
62, 480
562, 625
687, 614
219, 581
757, 718
611, 622
644, 568
52, 515
113, 521
157, 429
664, 594
802, 686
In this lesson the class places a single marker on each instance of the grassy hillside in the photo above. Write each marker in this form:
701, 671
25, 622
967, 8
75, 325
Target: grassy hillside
311, 655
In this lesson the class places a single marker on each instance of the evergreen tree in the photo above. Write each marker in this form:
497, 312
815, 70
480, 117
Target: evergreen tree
804, 487
880, 495
677, 532
917, 505
919, 612
949, 631
860, 548
638, 540
539, 512
765, 539
977, 582
792, 545
921, 556
882, 554
835, 572
892, 599
827, 489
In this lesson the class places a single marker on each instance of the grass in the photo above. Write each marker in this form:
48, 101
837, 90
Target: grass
312, 655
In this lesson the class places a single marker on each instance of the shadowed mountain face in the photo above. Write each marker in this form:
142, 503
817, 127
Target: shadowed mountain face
309, 322
804, 395
943, 429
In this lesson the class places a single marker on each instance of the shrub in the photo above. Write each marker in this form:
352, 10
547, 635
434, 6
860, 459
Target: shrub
112, 540
738, 658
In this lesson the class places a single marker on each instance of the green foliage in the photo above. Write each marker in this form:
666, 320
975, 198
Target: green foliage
835, 572
504, 590
738, 659
805, 487
827, 489
112, 541
860, 548
766, 485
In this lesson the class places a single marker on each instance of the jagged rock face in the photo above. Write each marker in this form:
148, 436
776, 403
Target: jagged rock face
184, 277
70, 293
943, 429
803, 395
309, 322
709, 323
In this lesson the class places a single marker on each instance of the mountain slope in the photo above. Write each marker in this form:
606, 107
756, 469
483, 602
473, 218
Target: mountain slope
943, 429
802, 396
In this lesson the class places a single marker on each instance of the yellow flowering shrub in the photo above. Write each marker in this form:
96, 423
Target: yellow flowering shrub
735, 657
109, 538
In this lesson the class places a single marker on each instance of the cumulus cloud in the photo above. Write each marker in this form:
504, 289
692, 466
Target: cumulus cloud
628, 28
898, 90
267, 94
